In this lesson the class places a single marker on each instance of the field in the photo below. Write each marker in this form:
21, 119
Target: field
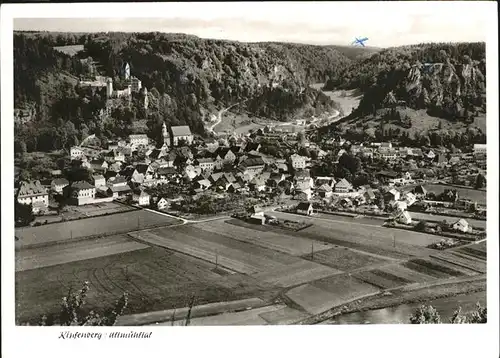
117, 223
222, 262
329, 292
154, 278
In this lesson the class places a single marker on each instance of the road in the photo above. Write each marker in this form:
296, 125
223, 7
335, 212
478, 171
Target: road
219, 116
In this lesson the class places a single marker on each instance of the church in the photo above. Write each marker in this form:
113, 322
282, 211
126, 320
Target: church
176, 135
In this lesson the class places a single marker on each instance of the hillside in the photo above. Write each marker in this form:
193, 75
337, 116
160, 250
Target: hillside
418, 88
186, 76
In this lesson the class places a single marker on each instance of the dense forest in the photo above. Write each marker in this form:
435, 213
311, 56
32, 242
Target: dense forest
187, 77
447, 79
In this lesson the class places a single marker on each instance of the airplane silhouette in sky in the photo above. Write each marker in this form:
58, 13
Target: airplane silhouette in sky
360, 41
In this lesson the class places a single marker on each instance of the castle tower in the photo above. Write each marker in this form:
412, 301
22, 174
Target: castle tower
126, 71
166, 135
146, 100
109, 88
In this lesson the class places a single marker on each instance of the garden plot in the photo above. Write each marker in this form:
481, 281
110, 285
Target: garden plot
28, 259
284, 315
473, 251
344, 259
271, 240
301, 272
381, 279
433, 268
461, 260
330, 292
407, 274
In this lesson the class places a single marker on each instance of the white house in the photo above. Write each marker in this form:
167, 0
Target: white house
393, 194
206, 164
181, 133
138, 139
479, 150
33, 193
298, 161
462, 226
59, 184
162, 204
76, 152
404, 218
141, 198
99, 181
83, 192
343, 186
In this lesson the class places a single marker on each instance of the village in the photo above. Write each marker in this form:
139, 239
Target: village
190, 176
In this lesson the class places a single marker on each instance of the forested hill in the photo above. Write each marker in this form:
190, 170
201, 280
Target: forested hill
447, 79
185, 74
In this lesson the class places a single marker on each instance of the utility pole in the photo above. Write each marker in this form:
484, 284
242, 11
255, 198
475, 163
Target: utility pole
312, 250
394, 240
138, 223
216, 260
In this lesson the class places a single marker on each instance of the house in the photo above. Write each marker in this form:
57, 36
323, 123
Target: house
181, 133
479, 150
303, 174
343, 186
234, 187
430, 155
369, 195
155, 154
252, 166
303, 190
325, 191
98, 165
137, 140
162, 204
224, 156
275, 179
82, 192
33, 193
387, 145
76, 152
119, 191
340, 153
325, 180
229, 177
206, 164
392, 194
462, 226
256, 210
165, 173
141, 197
410, 198
398, 205
249, 147
465, 204
298, 161
114, 155
404, 218
305, 208
191, 172
388, 154
420, 191
98, 181
58, 185
257, 184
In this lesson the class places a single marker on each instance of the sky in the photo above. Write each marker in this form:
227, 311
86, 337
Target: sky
338, 23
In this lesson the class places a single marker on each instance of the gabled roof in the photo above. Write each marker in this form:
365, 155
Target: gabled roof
60, 181
229, 177
142, 168
180, 131
325, 188
252, 162
81, 185
343, 183
32, 188
461, 222
166, 171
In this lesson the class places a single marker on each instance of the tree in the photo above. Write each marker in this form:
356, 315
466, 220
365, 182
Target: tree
23, 214
350, 162
480, 181
425, 315
73, 312
429, 315
421, 226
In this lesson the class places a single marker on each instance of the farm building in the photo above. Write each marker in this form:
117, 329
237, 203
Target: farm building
404, 218
325, 191
462, 226
141, 197
33, 193
305, 208
162, 204
343, 186
58, 185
